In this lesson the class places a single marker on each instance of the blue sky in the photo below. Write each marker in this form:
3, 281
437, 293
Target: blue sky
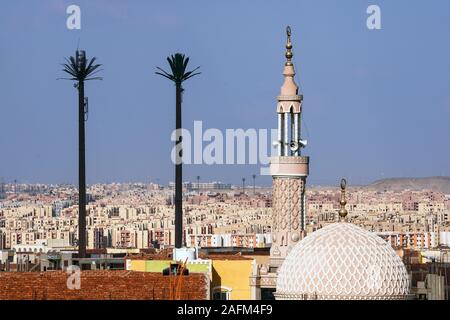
376, 102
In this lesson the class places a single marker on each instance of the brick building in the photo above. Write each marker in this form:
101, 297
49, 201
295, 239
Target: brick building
100, 285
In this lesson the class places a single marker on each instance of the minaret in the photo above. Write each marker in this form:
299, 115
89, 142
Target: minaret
289, 168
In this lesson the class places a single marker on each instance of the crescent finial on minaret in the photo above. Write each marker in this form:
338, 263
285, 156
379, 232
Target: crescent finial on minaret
343, 212
289, 53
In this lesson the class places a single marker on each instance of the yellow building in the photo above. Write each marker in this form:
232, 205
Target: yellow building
231, 278
197, 266
229, 274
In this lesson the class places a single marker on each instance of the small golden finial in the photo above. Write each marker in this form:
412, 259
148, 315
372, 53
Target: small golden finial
289, 53
343, 212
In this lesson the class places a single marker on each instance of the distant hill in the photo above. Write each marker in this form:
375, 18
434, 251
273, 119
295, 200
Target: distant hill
441, 184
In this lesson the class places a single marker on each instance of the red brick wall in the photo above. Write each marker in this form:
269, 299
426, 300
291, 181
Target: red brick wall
98, 285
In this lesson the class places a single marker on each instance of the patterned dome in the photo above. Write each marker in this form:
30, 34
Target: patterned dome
342, 262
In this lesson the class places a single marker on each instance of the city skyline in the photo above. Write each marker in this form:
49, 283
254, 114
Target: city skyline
380, 93
312, 168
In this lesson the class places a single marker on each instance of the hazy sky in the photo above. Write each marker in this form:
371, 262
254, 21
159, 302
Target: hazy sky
376, 102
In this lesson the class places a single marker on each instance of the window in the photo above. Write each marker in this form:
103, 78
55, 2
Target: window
221, 293
267, 294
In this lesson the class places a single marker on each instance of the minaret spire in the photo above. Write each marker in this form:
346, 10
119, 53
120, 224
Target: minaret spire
289, 53
343, 212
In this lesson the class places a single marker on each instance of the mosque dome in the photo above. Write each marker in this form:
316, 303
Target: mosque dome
342, 262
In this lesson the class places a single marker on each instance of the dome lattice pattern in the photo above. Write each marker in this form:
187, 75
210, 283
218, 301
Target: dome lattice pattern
342, 261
